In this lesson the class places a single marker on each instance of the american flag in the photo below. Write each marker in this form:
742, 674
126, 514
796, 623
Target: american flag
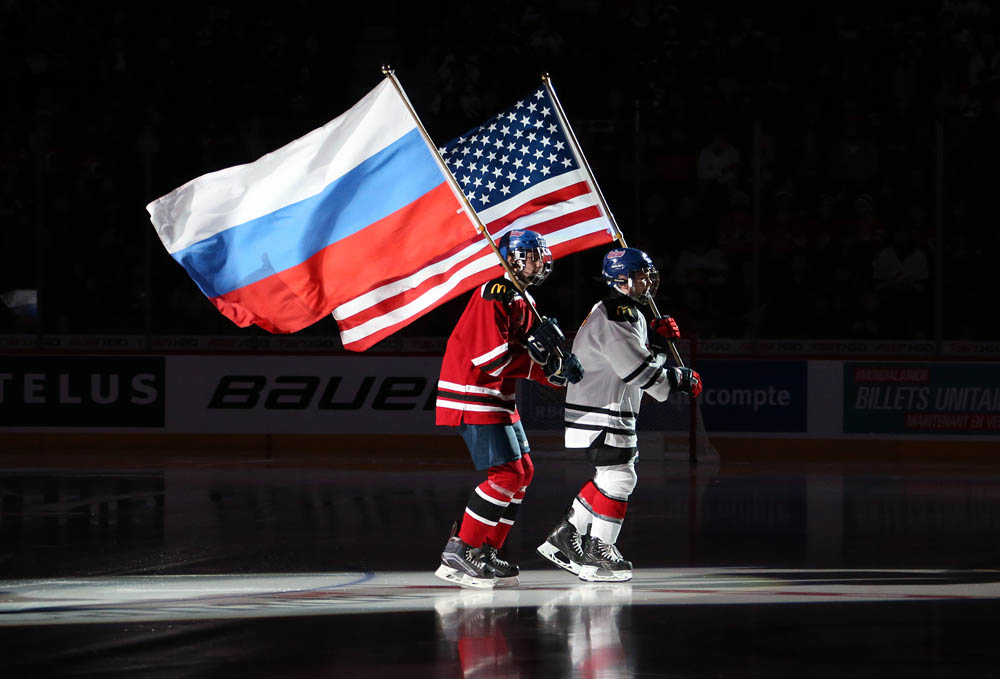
519, 171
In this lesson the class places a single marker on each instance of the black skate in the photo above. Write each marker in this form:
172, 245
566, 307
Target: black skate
564, 547
463, 565
602, 562
505, 572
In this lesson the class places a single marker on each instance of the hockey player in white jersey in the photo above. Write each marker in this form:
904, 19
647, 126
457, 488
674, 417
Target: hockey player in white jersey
622, 358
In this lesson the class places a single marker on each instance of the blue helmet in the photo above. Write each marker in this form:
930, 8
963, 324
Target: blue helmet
520, 245
631, 272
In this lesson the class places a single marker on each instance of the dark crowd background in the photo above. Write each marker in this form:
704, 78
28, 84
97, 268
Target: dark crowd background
807, 171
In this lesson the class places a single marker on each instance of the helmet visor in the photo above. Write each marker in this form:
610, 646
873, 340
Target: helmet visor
643, 284
533, 265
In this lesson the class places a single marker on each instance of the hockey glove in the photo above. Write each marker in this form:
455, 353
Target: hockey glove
664, 330
684, 380
544, 340
562, 369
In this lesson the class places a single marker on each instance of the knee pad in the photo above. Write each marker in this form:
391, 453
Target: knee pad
509, 476
616, 481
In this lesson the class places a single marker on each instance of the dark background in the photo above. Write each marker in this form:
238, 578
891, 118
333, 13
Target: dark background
847, 135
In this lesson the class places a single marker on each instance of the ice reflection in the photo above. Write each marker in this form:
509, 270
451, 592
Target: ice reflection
478, 634
587, 616
490, 636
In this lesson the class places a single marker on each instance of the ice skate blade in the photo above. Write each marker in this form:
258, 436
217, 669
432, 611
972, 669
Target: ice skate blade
455, 577
593, 574
553, 554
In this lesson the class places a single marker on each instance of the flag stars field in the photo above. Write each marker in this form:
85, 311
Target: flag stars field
530, 141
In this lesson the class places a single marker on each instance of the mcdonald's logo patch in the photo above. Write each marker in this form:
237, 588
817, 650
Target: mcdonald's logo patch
499, 289
626, 311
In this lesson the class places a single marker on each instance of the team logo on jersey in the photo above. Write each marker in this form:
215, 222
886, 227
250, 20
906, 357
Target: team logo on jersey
500, 290
626, 311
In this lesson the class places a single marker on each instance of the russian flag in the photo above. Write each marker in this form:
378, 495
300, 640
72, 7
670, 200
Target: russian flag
359, 204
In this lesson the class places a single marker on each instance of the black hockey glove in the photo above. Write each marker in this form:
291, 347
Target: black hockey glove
684, 380
562, 369
544, 341
659, 344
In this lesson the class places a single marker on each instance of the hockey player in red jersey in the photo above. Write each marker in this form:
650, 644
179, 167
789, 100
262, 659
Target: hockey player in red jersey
496, 341
624, 359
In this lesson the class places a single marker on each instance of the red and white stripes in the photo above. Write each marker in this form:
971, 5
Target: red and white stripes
563, 209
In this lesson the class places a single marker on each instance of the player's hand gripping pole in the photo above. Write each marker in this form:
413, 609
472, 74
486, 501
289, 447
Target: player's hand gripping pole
582, 161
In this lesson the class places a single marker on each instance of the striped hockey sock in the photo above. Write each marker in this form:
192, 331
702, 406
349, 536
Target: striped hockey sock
487, 506
517, 475
498, 535
606, 513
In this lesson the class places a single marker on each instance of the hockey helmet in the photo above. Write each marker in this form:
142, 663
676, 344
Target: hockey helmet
521, 245
631, 272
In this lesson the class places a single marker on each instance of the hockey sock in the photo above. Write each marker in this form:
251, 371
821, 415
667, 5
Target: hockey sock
580, 517
607, 513
498, 535
489, 501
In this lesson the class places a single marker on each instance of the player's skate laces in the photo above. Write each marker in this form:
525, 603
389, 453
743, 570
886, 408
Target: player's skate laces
604, 563
463, 565
564, 547
504, 570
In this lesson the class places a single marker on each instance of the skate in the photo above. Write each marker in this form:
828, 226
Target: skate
564, 547
602, 562
463, 565
504, 571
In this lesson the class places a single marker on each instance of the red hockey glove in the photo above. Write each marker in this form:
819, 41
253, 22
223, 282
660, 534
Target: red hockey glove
666, 327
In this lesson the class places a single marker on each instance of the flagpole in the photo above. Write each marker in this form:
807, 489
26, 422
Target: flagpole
582, 162
580, 158
390, 73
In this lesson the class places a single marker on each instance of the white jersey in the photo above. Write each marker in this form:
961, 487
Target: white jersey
617, 369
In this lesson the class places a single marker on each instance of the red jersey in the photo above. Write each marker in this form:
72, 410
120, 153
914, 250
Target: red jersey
484, 358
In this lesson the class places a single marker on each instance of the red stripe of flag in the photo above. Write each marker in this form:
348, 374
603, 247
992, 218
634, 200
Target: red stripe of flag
577, 244
546, 228
535, 204
297, 297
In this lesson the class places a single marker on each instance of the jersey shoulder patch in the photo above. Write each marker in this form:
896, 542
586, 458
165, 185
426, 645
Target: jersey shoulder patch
500, 289
621, 309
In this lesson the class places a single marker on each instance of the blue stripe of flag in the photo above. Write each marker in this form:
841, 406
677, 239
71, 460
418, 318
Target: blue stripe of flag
382, 184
